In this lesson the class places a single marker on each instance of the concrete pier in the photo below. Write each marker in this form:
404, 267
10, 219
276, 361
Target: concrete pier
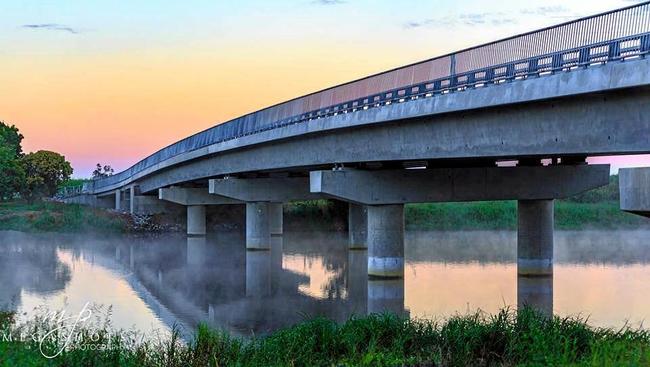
258, 274
132, 194
386, 295
196, 251
535, 237
196, 220
535, 292
275, 219
258, 235
118, 199
357, 281
358, 226
386, 241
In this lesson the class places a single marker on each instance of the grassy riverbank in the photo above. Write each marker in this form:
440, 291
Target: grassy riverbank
597, 208
322, 215
58, 217
506, 339
503, 215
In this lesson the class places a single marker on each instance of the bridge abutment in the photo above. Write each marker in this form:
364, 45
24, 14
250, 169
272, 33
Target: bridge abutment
386, 241
358, 226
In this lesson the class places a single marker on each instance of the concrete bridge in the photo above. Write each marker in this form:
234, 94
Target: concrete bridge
435, 131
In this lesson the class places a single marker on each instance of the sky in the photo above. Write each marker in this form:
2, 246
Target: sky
113, 81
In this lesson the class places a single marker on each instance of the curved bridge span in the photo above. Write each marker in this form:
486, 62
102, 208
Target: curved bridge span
614, 36
434, 131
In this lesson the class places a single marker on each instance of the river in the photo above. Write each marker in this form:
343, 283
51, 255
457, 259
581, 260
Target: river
153, 284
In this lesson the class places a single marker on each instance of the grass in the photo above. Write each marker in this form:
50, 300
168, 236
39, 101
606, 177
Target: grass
58, 217
331, 216
508, 338
569, 215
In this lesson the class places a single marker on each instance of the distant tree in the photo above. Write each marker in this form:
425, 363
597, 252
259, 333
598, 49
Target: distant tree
12, 174
45, 171
101, 172
11, 138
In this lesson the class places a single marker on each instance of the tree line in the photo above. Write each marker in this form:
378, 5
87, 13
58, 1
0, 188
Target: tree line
30, 176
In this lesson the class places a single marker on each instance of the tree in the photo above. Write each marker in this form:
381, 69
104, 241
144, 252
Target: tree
45, 171
101, 172
12, 174
12, 138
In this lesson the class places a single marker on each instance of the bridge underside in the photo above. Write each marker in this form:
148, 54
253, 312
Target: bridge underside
616, 122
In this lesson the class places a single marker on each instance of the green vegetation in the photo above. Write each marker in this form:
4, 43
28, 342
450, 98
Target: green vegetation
509, 338
72, 182
503, 215
57, 217
597, 208
29, 176
316, 215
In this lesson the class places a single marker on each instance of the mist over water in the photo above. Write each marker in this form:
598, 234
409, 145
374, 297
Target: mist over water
155, 283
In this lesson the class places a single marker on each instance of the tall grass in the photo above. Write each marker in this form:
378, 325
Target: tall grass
508, 338
503, 215
58, 217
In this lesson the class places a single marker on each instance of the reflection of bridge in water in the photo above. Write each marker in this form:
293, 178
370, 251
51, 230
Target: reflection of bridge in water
250, 291
215, 280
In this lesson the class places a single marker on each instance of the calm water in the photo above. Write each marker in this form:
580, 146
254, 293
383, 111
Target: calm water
152, 284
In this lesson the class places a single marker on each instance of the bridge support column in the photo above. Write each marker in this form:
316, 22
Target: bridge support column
386, 295
535, 237
258, 274
118, 199
386, 241
132, 194
196, 220
357, 281
258, 235
536, 292
358, 226
275, 219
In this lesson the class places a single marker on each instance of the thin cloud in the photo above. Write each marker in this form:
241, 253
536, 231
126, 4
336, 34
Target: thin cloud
51, 27
468, 19
328, 2
547, 10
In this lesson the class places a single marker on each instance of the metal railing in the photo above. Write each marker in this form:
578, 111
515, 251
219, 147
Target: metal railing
614, 35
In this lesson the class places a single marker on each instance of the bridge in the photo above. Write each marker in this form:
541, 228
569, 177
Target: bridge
435, 131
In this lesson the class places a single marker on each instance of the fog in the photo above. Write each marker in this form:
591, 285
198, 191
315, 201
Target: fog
172, 280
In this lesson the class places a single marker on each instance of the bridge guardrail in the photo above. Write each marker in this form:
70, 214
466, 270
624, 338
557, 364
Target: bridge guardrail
614, 35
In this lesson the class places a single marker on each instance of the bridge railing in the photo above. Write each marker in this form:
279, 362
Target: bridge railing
614, 35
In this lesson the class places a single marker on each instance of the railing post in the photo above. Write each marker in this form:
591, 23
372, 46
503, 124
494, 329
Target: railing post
645, 44
557, 62
452, 72
583, 59
533, 65
614, 50
510, 71
489, 75
471, 79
